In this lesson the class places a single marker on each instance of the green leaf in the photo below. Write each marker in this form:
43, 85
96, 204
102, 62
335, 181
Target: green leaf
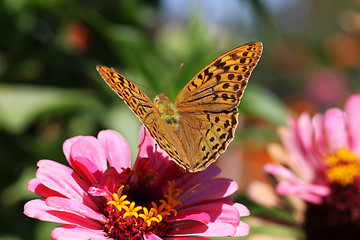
22, 105
262, 103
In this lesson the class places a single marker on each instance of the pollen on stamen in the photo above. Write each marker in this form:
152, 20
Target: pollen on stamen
119, 203
131, 210
127, 219
344, 166
150, 216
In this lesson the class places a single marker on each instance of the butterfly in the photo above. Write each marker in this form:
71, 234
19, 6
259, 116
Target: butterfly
199, 125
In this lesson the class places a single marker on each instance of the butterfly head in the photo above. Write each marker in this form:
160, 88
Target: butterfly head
167, 110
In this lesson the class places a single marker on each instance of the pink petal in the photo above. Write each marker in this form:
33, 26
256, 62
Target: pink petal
186, 238
38, 209
67, 146
335, 127
35, 186
242, 209
154, 153
281, 172
146, 147
320, 138
88, 147
306, 134
197, 229
196, 214
143, 165
353, 116
218, 213
87, 170
223, 213
320, 141
185, 181
70, 232
311, 198
305, 131
308, 192
213, 189
169, 171
243, 229
63, 180
293, 145
68, 205
151, 236
116, 148
189, 180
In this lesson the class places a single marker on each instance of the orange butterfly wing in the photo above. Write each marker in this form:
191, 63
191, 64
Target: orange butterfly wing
206, 107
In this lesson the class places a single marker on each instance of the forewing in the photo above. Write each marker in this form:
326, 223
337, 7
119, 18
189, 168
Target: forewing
137, 101
208, 103
142, 106
220, 85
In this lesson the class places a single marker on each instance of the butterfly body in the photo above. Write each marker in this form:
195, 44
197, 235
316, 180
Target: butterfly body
167, 111
199, 125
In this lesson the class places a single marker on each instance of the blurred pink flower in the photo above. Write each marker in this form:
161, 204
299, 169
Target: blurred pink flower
325, 86
100, 197
321, 166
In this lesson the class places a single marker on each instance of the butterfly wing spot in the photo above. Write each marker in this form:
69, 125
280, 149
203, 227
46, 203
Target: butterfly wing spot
226, 69
217, 137
230, 76
219, 64
225, 85
226, 93
230, 98
207, 73
235, 87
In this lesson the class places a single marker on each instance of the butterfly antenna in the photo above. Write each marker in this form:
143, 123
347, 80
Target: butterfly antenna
176, 75
141, 85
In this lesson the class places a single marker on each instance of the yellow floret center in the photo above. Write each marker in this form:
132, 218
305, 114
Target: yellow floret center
344, 166
130, 211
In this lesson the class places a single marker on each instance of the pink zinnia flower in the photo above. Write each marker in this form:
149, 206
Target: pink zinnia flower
101, 197
321, 165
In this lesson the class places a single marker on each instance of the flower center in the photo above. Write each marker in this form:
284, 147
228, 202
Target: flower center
338, 216
344, 166
138, 208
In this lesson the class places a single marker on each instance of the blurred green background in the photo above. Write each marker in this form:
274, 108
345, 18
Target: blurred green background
50, 90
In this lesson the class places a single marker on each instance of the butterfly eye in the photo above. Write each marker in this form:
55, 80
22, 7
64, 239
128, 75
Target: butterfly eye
156, 100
